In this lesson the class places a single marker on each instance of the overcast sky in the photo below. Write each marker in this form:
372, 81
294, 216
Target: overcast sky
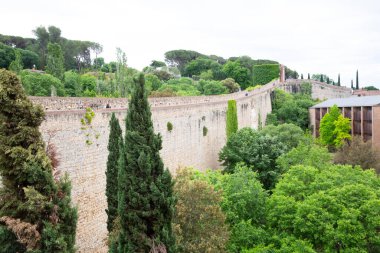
328, 37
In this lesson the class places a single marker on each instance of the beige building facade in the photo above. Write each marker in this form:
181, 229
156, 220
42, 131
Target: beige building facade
364, 113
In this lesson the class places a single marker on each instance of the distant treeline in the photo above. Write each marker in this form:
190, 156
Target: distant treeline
66, 67
77, 54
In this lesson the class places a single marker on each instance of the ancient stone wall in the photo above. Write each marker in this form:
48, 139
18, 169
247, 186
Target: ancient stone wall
184, 145
320, 90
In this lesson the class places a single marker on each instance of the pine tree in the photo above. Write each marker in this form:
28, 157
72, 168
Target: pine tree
357, 79
339, 80
308, 76
145, 187
231, 118
31, 197
114, 141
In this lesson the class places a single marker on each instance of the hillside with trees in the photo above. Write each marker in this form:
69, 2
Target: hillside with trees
51, 65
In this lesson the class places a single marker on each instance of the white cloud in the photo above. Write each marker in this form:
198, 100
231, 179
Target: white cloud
310, 36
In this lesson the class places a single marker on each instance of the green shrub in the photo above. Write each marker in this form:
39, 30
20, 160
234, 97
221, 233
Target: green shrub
205, 130
251, 88
232, 120
45, 85
88, 85
169, 126
72, 84
199, 223
256, 150
263, 74
289, 134
7, 55
336, 208
214, 88
334, 128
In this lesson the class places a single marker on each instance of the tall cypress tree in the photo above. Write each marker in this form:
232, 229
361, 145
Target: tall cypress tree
55, 61
301, 76
231, 118
145, 187
357, 79
32, 200
114, 141
308, 76
321, 78
338, 80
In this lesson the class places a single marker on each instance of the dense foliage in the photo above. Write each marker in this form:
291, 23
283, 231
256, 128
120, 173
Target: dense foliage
77, 54
8, 54
199, 223
255, 149
289, 108
309, 154
37, 84
263, 74
358, 152
145, 194
244, 201
115, 141
61, 58
335, 208
231, 118
334, 128
36, 214
289, 134
55, 62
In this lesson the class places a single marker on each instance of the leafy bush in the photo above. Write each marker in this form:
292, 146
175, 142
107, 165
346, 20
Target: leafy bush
231, 85
152, 82
37, 84
72, 84
199, 223
7, 55
256, 150
163, 93
265, 73
287, 108
239, 73
231, 118
244, 201
205, 130
214, 88
334, 128
289, 134
199, 65
251, 88
336, 208
305, 154
169, 126
358, 152
88, 85
180, 87
287, 244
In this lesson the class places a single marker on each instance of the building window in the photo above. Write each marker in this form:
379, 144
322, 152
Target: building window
357, 121
367, 123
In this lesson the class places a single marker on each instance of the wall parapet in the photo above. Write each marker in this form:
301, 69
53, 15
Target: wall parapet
80, 103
